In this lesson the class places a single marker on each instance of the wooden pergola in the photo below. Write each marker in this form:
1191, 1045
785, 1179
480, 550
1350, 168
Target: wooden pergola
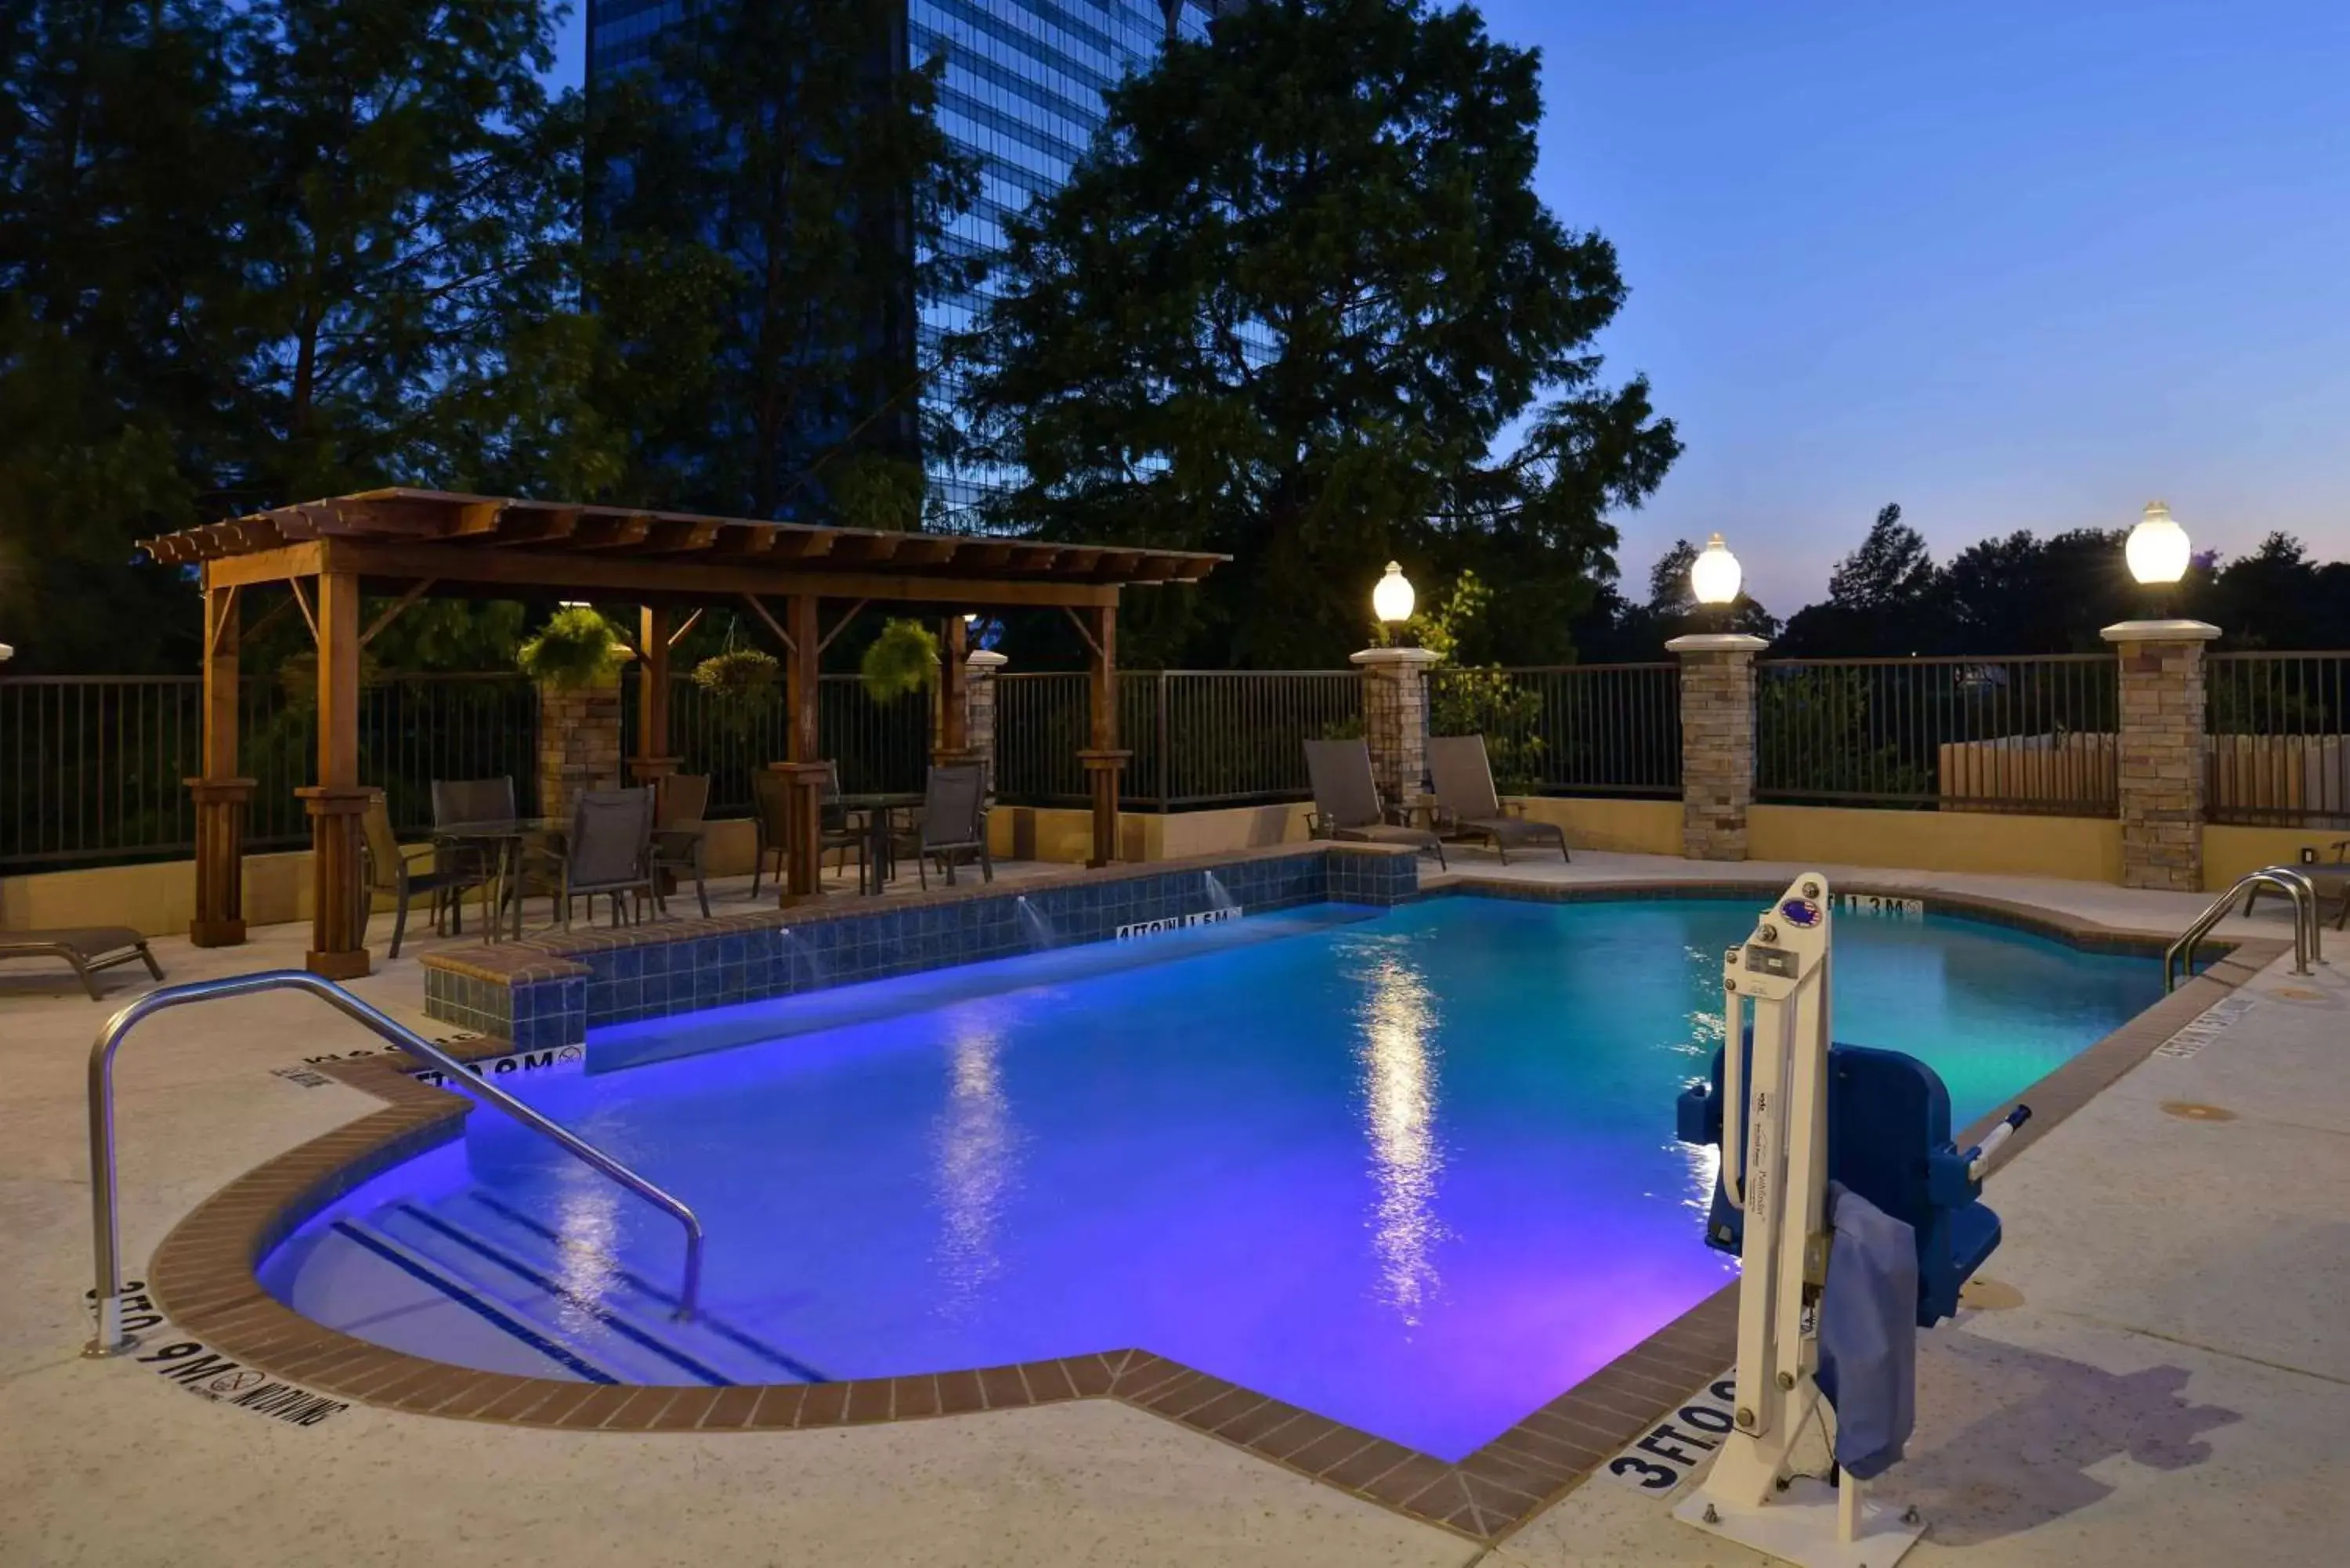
409, 545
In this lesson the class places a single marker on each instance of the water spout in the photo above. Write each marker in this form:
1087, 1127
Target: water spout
1041, 934
795, 946
1220, 898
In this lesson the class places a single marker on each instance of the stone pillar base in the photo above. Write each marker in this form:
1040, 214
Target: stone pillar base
1717, 741
2163, 752
1394, 718
979, 693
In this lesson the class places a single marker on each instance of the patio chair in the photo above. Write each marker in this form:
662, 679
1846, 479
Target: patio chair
953, 825
609, 851
771, 798
678, 835
1347, 800
456, 802
384, 869
2330, 879
1464, 792
88, 949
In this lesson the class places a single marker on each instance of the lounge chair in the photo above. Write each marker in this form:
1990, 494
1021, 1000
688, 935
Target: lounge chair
1464, 793
2329, 878
1347, 800
88, 948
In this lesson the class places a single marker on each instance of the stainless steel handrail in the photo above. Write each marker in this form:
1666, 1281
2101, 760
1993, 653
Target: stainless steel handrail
110, 1339
2307, 940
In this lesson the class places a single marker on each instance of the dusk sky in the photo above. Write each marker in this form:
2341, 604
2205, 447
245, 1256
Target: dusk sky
2013, 266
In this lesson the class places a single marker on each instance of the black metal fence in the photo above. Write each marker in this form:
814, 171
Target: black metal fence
93, 769
1200, 737
1573, 729
2280, 739
880, 746
2037, 733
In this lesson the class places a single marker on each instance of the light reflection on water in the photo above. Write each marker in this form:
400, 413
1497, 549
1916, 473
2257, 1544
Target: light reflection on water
978, 1154
587, 1264
1398, 1054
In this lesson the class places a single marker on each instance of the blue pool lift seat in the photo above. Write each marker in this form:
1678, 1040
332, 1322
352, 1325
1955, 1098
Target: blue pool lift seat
1889, 1141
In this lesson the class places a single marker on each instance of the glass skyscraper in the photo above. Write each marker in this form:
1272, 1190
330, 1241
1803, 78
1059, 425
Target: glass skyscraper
1022, 94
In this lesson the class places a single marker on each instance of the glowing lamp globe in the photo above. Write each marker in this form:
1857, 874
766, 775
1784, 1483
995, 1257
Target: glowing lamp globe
1715, 575
2157, 548
1391, 601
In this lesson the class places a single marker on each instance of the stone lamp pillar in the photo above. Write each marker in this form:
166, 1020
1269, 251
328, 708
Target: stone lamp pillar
578, 741
1717, 741
979, 697
1394, 718
2162, 750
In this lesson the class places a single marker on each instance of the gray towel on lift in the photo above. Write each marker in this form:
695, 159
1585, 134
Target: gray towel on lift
1869, 1333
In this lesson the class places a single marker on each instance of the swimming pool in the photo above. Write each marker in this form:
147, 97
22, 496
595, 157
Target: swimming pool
1411, 1169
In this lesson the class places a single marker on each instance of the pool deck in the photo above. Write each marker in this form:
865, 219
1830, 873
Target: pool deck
2161, 1372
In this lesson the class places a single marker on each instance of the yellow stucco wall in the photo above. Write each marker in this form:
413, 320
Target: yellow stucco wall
1626, 827
154, 899
2082, 849
2229, 851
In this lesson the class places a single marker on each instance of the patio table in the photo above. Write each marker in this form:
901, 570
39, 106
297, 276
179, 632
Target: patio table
879, 805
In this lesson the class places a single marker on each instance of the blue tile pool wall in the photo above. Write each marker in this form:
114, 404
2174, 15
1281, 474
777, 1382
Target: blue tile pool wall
661, 979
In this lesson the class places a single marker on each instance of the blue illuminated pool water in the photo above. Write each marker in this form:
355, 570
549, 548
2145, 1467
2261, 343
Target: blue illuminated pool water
1415, 1173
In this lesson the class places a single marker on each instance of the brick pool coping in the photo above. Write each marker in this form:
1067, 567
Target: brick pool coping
204, 1278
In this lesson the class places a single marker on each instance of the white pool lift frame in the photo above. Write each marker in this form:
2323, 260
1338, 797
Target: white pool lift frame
1763, 1490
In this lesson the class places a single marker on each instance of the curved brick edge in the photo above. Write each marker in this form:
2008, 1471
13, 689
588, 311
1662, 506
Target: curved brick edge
204, 1276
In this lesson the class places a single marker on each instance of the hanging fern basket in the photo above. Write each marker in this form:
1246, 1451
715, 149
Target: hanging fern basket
739, 678
902, 660
576, 648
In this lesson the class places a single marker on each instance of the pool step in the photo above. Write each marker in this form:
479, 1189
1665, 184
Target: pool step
576, 1297
450, 1309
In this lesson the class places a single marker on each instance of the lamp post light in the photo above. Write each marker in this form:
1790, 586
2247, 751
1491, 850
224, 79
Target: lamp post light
1392, 599
2158, 552
1715, 577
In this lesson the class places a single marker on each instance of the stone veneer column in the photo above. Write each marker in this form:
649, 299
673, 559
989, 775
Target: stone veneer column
578, 742
1394, 718
1717, 741
979, 703
2162, 752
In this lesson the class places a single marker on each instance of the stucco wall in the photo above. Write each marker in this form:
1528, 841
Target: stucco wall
2079, 848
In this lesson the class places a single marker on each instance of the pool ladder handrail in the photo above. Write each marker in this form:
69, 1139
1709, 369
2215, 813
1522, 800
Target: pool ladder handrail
2179, 958
110, 1339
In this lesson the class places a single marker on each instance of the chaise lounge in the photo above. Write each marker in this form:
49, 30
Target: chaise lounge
1464, 793
89, 950
1347, 799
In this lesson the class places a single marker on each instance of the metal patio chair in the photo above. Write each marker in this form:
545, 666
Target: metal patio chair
384, 869
954, 824
609, 851
771, 798
1464, 793
683, 800
1347, 800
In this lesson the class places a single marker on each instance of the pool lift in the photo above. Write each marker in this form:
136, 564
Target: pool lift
1792, 1112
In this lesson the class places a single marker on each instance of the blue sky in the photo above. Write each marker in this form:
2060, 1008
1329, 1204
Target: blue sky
2012, 266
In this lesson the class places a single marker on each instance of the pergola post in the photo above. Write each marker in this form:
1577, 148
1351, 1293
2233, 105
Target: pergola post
222, 797
336, 802
804, 772
953, 743
655, 760
1105, 763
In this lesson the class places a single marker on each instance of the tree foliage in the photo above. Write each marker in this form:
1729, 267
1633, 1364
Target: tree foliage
1286, 308
769, 208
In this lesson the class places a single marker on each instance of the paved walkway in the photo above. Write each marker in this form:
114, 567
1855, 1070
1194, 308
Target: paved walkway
2171, 1385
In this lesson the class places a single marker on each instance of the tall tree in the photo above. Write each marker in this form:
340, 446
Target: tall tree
401, 196
117, 158
1284, 308
1886, 599
769, 205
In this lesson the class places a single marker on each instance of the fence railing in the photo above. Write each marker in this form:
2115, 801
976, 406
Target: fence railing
93, 768
1200, 737
879, 746
2037, 733
2280, 737
1573, 729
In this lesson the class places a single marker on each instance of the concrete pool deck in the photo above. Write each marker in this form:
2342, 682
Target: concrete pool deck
2172, 1385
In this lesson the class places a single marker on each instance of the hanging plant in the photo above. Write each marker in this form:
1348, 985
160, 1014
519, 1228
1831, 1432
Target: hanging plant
577, 647
902, 660
740, 677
